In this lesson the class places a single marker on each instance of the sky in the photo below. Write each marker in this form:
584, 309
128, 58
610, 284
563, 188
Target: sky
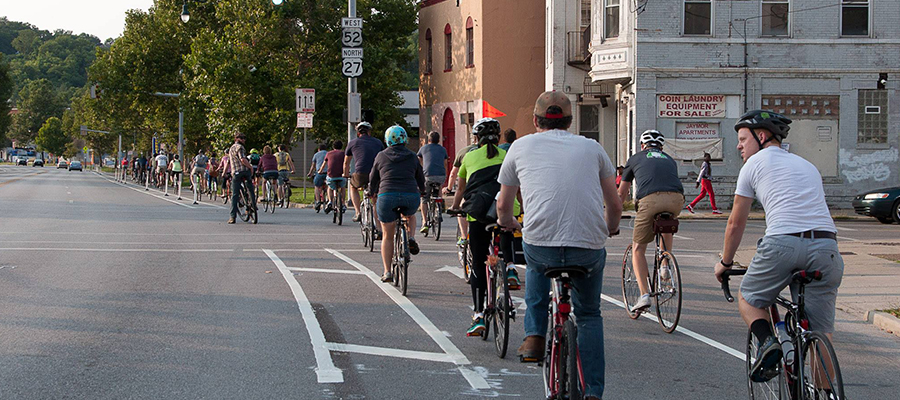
101, 18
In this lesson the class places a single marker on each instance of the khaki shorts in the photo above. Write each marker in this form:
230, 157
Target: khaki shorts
651, 205
359, 181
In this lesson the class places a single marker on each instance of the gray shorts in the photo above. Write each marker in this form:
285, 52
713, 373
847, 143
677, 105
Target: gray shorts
778, 257
436, 179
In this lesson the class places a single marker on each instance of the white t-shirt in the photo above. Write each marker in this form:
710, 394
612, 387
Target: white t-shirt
162, 160
789, 189
559, 174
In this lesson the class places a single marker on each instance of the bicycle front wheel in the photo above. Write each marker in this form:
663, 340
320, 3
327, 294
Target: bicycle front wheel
821, 375
774, 389
630, 290
502, 314
668, 292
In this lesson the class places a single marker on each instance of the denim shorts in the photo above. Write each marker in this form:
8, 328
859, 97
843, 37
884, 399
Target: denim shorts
336, 183
283, 176
270, 175
319, 180
387, 202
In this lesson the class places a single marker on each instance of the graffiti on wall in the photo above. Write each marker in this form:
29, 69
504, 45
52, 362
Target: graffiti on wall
871, 166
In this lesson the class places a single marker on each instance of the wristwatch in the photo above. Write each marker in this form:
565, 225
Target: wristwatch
728, 265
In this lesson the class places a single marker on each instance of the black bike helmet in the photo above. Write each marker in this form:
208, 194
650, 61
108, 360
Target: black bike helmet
769, 120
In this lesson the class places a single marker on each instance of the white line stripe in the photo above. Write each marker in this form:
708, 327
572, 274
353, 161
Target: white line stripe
475, 380
145, 192
326, 372
177, 234
118, 250
841, 228
332, 271
683, 237
687, 332
387, 352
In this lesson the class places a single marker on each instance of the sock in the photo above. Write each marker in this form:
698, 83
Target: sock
761, 329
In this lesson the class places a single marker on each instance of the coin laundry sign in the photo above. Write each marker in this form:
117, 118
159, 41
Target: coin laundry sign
691, 106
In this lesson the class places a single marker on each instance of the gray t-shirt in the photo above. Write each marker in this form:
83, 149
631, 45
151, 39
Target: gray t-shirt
655, 172
559, 174
319, 158
433, 156
200, 161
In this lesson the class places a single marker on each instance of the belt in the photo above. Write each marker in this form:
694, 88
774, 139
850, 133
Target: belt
815, 235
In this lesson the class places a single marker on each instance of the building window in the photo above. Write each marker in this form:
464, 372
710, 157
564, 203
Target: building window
854, 18
872, 116
775, 18
448, 49
429, 48
589, 121
697, 17
611, 19
585, 13
470, 43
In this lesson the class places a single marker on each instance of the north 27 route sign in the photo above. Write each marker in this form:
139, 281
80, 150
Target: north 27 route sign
352, 67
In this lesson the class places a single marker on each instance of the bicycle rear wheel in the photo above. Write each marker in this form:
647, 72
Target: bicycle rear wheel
502, 314
821, 377
571, 372
774, 389
668, 293
404, 261
630, 290
266, 196
438, 218
242, 203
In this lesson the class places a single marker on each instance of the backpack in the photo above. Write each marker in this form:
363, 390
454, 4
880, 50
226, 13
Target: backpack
254, 159
481, 193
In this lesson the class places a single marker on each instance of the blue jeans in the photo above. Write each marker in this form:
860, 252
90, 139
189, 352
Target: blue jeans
387, 202
239, 179
585, 299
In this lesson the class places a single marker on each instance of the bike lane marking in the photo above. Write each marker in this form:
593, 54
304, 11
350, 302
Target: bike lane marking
144, 192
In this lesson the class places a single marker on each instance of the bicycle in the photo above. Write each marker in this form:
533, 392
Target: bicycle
247, 208
814, 372
213, 188
197, 186
462, 249
367, 223
562, 372
339, 209
666, 292
401, 259
435, 205
269, 196
286, 190
499, 310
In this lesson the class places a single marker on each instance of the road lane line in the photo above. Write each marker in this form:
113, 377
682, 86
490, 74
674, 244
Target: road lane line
20, 178
326, 372
388, 352
144, 192
841, 228
683, 237
117, 250
474, 379
330, 271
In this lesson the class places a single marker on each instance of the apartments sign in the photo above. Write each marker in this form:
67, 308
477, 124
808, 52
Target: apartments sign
691, 106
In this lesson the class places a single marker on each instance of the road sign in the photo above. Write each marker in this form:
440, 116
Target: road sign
352, 52
351, 37
304, 120
351, 23
306, 100
83, 130
352, 67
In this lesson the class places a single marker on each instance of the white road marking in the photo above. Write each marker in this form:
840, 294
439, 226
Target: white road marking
145, 192
326, 372
388, 352
458, 271
841, 228
117, 250
331, 271
520, 301
683, 237
757, 226
475, 380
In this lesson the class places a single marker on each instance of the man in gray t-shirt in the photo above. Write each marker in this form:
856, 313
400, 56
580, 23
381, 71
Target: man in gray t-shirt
566, 180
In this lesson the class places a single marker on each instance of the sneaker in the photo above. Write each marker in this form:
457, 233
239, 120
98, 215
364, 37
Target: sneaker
413, 247
318, 206
716, 212
378, 235
512, 277
477, 328
664, 273
462, 242
424, 230
767, 358
356, 218
387, 277
343, 208
642, 303
231, 220
532, 349
690, 208
329, 208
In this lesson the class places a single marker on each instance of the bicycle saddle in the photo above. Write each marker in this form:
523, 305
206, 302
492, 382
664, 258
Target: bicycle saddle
573, 271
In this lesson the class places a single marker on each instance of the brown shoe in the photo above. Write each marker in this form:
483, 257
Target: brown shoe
532, 349
231, 220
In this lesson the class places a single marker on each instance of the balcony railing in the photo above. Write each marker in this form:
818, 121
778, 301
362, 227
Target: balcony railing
578, 48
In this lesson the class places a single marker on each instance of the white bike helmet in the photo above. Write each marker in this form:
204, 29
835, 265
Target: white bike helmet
652, 137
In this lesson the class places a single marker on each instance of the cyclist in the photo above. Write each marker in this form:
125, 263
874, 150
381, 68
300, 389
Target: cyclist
254, 162
161, 162
225, 167
198, 169
509, 136
212, 174
142, 166
318, 160
566, 225
454, 174
334, 163
433, 157
800, 234
658, 190
241, 170
268, 165
363, 150
135, 173
478, 174
398, 180
176, 169
285, 169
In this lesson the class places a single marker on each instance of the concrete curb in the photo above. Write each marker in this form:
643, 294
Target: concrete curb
885, 321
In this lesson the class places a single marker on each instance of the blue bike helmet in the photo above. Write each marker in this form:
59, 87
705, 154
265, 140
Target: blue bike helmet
395, 135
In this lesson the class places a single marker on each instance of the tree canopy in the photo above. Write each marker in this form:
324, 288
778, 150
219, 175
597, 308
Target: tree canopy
51, 137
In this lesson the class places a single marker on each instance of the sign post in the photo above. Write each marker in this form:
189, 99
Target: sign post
306, 106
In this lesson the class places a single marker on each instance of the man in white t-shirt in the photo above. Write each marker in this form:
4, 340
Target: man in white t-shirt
565, 181
800, 234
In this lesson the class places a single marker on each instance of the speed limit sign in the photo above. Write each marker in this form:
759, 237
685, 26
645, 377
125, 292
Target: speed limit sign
352, 67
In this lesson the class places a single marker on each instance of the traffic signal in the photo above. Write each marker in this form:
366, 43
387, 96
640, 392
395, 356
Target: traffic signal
368, 116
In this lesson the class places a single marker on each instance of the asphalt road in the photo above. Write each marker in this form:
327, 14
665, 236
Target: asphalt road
112, 292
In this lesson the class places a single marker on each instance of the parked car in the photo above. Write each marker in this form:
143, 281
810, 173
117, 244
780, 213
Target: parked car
883, 204
37, 163
62, 164
75, 165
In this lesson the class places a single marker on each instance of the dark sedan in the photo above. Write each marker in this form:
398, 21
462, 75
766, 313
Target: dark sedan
883, 204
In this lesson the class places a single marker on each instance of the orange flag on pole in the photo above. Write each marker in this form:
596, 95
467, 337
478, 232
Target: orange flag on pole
488, 111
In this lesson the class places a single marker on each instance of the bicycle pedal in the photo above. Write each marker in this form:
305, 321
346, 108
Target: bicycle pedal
531, 360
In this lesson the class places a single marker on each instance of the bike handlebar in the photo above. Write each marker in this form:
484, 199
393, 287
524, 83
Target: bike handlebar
455, 213
726, 277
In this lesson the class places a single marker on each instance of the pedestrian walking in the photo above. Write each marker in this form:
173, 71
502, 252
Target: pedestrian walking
705, 186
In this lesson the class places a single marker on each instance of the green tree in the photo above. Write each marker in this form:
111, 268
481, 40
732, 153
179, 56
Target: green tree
51, 137
37, 102
5, 93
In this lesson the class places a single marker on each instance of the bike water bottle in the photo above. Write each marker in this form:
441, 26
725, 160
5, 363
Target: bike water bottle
787, 347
